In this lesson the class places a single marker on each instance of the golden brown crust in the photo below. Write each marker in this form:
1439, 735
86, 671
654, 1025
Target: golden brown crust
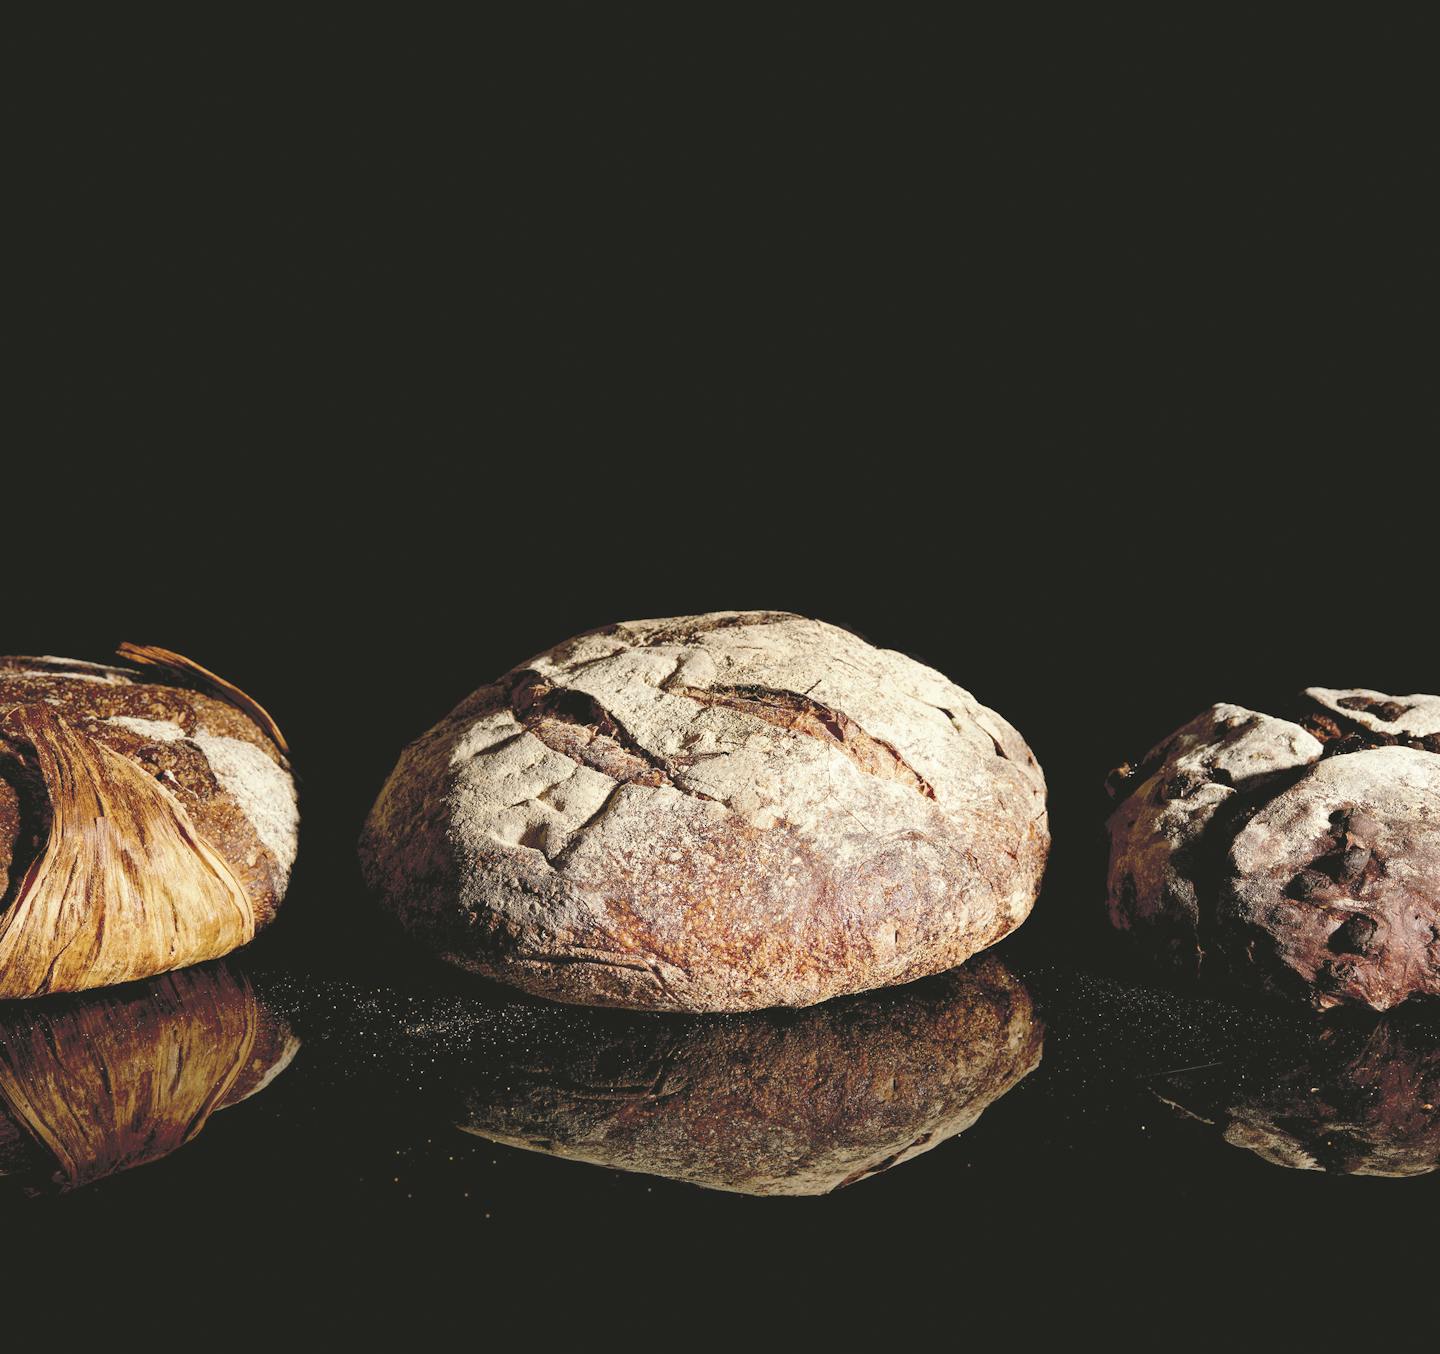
124, 886
93, 707
743, 902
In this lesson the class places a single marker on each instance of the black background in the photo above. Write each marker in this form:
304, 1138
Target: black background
1088, 358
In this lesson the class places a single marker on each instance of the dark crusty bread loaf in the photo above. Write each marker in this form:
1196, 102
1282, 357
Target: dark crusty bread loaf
712, 813
1300, 856
147, 820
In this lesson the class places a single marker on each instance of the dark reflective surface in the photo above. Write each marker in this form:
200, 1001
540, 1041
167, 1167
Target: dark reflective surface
1035, 1087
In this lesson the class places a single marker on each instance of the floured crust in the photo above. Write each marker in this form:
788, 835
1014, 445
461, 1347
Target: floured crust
719, 812
1188, 787
230, 778
1301, 857
1413, 716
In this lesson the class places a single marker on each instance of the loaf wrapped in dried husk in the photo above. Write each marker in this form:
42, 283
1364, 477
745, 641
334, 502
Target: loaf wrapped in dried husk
101, 1083
147, 820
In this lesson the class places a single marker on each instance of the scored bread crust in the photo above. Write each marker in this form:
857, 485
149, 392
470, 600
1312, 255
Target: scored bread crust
712, 813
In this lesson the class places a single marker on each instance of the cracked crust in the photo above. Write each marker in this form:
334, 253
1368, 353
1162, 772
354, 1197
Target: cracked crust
1303, 858
714, 813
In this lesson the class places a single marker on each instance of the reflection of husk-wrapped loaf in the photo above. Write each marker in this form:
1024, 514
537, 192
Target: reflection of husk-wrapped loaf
1360, 1100
772, 1103
97, 1084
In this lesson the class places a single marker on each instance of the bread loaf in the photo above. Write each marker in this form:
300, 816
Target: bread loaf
712, 813
147, 820
1299, 856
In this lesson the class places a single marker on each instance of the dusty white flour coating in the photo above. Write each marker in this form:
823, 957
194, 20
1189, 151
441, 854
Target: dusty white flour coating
157, 730
1196, 772
1416, 715
830, 762
75, 669
262, 788
510, 789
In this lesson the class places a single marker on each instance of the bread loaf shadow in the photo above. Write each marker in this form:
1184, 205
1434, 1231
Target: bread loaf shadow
91, 1085
774, 1103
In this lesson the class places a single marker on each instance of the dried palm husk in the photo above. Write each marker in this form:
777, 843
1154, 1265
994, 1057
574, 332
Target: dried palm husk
125, 886
189, 673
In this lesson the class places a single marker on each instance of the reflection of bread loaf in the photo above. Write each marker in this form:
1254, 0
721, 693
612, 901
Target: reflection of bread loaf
1357, 1101
97, 1084
712, 813
147, 820
769, 1103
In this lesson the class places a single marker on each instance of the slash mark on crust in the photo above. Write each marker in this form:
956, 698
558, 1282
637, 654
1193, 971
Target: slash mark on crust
802, 714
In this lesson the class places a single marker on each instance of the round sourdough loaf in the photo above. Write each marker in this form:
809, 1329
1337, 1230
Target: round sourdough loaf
147, 819
712, 813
